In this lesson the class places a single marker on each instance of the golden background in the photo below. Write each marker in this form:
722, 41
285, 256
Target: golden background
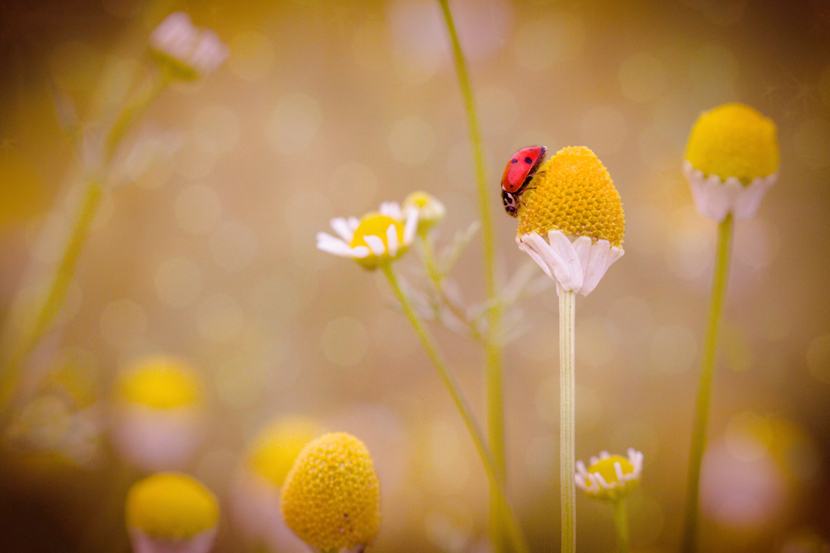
327, 108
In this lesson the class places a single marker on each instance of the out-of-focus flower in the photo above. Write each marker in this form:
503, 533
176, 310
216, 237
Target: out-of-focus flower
331, 496
376, 239
171, 513
158, 413
610, 477
430, 210
187, 51
731, 161
572, 224
255, 497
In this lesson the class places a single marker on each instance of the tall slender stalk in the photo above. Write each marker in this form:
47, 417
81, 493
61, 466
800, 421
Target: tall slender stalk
567, 432
511, 525
704, 391
492, 349
621, 523
48, 306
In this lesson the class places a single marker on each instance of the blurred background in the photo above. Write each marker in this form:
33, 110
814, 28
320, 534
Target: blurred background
206, 251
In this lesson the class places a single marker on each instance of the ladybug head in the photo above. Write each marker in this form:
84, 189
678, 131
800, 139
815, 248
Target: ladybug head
511, 204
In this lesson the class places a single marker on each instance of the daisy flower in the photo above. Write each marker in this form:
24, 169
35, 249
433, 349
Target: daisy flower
572, 223
610, 477
731, 161
331, 496
158, 414
377, 239
171, 513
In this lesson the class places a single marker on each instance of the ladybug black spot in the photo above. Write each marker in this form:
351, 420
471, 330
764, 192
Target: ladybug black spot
528, 160
514, 160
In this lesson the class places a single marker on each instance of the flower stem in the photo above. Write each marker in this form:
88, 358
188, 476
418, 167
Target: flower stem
48, 306
510, 523
567, 433
621, 522
492, 350
704, 392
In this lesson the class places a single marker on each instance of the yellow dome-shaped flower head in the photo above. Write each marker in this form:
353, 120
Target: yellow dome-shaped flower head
331, 496
159, 383
572, 222
158, 414
731, 161
171, 506
610, 477
273, 452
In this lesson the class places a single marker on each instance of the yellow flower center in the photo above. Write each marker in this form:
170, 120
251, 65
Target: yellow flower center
159, 383
171, 506
606, 468
331, 496
574, 194
375, 224
734, 140
418, 199
276, 448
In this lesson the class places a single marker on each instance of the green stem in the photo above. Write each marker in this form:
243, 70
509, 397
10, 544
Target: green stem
510, 523
492, 350
141, 100
48, 307
567, 433
704, 392
621, 522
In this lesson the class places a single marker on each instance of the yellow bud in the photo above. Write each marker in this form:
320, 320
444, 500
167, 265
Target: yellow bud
734, 140
573, 193
170, 505
159, 383
430, 210
331, 496
274, 450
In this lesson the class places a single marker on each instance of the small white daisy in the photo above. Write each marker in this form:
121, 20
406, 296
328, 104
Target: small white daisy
378, 238
190, 51
732, 159
610, 477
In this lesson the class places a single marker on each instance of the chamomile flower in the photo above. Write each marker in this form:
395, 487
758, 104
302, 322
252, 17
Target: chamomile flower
331, 496
572, 223
731, 161
430, 210
376, 239
610, 477
171, 513
158, 413
188, 52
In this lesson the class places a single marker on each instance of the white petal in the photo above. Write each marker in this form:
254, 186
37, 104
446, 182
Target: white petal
360, 252
334, 246
375, 244
354, 223
569, 272
747, 203
342, 228
596, 266
582, 247
392, 239
391, 209
411, 225
618, 470
535, 257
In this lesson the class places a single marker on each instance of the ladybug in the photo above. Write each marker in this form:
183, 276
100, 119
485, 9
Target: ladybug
517, 175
